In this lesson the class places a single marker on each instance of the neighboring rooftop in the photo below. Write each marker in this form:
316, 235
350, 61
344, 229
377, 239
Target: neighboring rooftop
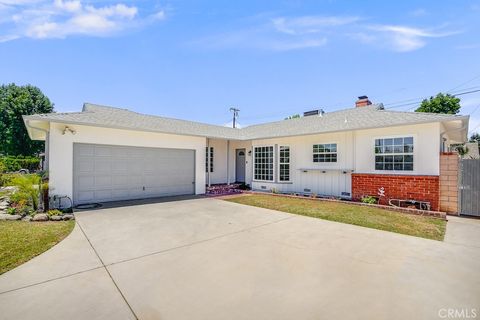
365, 117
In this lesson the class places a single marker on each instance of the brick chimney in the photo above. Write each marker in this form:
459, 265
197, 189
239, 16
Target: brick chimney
362, 102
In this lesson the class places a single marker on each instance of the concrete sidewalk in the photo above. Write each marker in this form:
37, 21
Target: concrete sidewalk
211, 259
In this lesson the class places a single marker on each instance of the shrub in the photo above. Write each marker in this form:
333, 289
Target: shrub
28, 189
369, 199
54, 212
11, 210
244, 186
16, 163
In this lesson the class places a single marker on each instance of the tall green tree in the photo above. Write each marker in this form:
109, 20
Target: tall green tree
475, 138
441, 103
293, 116
16, 101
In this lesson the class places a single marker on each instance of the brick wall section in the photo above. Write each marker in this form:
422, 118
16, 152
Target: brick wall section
405, 187
449, 182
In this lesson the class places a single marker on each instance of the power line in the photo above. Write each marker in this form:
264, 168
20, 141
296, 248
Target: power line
468, 81
418, 101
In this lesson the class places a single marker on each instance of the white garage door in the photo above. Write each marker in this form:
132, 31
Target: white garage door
108, 173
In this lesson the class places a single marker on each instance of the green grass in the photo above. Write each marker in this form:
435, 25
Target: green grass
365, 216
21, 241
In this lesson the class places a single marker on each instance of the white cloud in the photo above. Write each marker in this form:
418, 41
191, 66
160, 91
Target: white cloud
284, 33
160, 15
401, 38
41, 19
71, 6
299, 44
280, 34
310, 24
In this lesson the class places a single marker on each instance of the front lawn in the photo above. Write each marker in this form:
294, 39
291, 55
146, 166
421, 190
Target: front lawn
370, 217
20, 241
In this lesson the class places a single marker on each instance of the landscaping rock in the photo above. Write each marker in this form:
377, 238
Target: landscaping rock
68, 217
4, 205
4, 216
14, 217
27, 218
40, 217
56, 218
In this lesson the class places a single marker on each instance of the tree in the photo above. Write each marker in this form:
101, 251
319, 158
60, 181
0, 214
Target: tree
16, 101
441, 103
475, 138
293, 116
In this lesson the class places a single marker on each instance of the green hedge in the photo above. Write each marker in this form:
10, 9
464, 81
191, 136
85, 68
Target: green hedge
11, 164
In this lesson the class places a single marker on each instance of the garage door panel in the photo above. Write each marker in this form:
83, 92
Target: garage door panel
85, 196
103, 181
84, 165
85, 150
120, 166
106, 173
103, 166
103, 151
135, 167
103, 195
86, 182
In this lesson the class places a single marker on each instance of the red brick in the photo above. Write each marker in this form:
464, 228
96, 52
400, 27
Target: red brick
409, 187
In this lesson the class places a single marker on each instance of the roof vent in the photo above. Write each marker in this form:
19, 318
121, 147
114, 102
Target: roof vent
362, 102
318, 112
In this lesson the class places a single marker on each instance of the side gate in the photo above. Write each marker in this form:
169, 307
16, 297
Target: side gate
469, 187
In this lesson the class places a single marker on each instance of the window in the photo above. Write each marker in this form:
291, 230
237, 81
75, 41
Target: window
394, 154
206, 159
326, 152
263, 161
284, 163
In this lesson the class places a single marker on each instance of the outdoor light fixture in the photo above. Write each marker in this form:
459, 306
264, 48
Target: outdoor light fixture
68, 129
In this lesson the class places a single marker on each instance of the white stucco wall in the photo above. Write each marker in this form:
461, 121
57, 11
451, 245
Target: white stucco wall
355, 151
426, 150
219, 174
61, 151
331, 182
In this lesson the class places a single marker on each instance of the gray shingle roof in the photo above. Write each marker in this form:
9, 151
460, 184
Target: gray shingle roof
344, 120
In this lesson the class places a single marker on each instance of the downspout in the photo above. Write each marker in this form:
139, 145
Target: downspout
228, 162
47, 143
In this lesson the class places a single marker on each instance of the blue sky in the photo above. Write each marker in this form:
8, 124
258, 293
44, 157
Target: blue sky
194, 60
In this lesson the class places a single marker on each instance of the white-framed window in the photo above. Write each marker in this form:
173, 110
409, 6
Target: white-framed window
263, 163
207, 154
325, 152
284, 163
394, 154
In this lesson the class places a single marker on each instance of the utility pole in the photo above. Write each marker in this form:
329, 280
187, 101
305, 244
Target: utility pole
235, 115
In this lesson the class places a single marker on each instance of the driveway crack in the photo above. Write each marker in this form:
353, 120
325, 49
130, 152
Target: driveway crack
108, 272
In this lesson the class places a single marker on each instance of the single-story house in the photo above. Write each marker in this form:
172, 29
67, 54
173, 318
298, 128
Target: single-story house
104, 153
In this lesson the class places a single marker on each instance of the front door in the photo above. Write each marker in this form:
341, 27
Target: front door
240, 165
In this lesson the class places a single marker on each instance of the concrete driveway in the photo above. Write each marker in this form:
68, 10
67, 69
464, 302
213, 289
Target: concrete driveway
211, 259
